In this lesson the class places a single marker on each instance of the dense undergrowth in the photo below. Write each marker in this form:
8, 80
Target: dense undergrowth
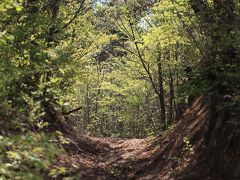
28, 156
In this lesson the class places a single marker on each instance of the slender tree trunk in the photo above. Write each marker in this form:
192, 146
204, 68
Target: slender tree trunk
177, 113
158, 90
98, 87
87, 109
171, 96
161, 91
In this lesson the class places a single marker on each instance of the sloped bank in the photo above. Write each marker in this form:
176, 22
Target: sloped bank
180, 153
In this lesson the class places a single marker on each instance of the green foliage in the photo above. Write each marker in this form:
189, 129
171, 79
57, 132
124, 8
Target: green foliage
6, 5
187, 146
120, 97
36, 69
27, 156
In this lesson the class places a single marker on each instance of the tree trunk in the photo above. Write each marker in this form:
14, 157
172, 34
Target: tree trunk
87, 107
171, 96
158, 90
161, 91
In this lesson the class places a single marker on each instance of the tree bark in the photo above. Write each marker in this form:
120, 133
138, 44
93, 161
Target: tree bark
171, 96
161, 91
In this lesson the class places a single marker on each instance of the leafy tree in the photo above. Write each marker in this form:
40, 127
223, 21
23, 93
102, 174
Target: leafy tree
220, 71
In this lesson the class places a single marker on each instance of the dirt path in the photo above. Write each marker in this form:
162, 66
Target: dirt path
112, 158
178, 152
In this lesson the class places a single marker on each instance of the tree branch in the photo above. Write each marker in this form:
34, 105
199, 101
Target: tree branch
72, 111
81, 4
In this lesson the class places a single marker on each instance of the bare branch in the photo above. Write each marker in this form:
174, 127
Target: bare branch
80, 7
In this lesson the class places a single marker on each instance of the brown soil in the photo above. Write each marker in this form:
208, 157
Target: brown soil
167, 157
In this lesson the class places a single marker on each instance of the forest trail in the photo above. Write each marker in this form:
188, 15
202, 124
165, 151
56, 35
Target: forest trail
72, 70
110, 158
175, 154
